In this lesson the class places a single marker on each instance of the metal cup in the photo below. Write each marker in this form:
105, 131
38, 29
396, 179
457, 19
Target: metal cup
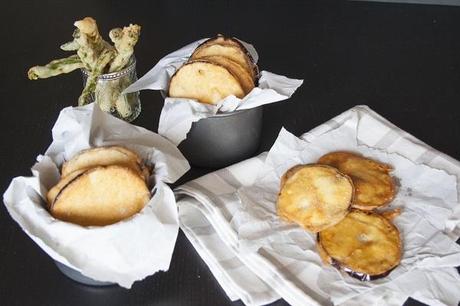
114, 83
224, 138
80, 278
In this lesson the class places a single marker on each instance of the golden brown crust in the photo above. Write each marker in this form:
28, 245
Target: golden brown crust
204, 81
104, 156
314, 196
101, 196
129, 152
374, 186
363, 243
144, 170
53, 192
228, 47
236, 69
391, 214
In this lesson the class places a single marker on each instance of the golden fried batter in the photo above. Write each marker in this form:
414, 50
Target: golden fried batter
374, 187
314, 196
362, 243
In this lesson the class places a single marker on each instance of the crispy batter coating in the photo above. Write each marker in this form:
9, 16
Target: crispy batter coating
374, 186
101, 196
97, 57
362, 243
124, 41
55, 67
314, 196
103, 156
230, 48
205, 81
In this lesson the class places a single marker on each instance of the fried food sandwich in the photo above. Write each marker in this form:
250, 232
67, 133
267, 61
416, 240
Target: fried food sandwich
219, 67
100, 186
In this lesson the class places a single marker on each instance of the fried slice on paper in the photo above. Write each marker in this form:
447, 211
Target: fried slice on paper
204, 81
364, 244
104, 156
230, 48
314, 196
374, 186
101, 196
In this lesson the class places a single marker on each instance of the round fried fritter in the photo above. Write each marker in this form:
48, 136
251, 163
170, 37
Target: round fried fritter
236, 69
314, 196
374, 186
230, 48
104, 156
205, 81
101, 196
363, 244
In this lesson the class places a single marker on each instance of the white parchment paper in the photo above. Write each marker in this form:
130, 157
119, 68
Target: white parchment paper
427, 196
126, 251
178, 114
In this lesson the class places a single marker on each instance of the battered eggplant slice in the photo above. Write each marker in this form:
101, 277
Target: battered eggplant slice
205, 81
314, 196
228, 47
374, 186
364, 244
104, 156
53, 192
236, 69
101, 196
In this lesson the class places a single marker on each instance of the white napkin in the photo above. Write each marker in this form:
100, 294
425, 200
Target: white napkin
298, 281
123, 252
178, 114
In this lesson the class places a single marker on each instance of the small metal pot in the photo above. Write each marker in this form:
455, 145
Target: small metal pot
80, 278
224, 138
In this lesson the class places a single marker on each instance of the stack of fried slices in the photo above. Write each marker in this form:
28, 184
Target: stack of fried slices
338, 198
218, 68
100, 186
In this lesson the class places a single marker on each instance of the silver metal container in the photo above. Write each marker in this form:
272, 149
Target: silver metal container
108, 92
224, 138
80, 278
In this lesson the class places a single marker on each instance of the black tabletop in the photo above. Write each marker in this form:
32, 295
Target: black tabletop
401, 60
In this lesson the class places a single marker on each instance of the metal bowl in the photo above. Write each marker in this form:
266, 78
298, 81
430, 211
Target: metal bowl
224, 138
80, 278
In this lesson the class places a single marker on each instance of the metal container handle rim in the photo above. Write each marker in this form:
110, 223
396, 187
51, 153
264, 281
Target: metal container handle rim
116, 74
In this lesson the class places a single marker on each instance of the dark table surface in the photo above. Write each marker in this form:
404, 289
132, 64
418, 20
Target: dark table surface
401, 60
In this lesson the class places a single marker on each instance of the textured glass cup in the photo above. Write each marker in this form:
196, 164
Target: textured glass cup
108, 93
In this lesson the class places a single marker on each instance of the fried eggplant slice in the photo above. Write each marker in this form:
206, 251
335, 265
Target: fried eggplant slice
314, 196
204, 81
364, 244
104, 156
53, 192
236, 69
230, 48
374, 186
101, 196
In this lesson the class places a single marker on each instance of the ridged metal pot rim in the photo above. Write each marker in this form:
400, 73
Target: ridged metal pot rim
116, 74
